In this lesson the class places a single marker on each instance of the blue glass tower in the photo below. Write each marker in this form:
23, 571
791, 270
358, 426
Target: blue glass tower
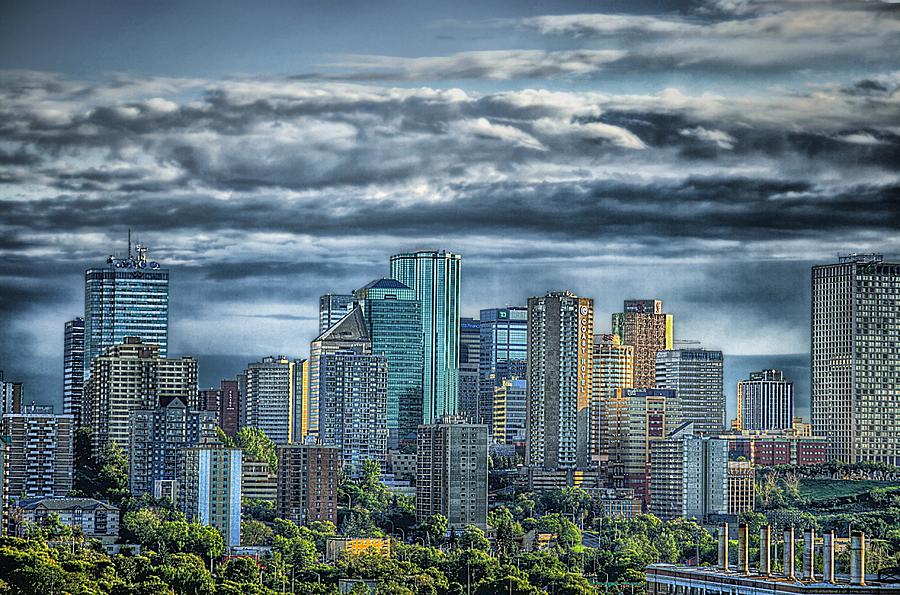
504, 353
434, 276
129, 297
394, 318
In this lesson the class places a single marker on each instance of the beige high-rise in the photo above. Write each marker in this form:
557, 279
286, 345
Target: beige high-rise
643, 325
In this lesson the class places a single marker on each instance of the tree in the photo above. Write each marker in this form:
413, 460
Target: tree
255, 533
435, 528
473, 538
506, 531
256, 444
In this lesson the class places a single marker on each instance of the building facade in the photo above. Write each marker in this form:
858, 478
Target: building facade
503, 353
435, 277
130, 376
509, 418
333, 307
129, 297
613, 370
73, 368
10, 396
209, 489
94, 518
39, 453
469, 361
452, 472
308, 477
394, 320
269, 390
645, 326
765, 401
855, 362
156, 439
560, 380
697, 377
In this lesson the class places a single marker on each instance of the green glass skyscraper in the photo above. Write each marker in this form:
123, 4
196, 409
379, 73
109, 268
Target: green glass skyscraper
434, 276
394, 318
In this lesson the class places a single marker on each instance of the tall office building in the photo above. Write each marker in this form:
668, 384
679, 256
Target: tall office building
129, 297
469, 361
696, 376
269, 390
39, 453
73, 368
452, 472
560, 377
613, 369
435, 277
644, 326
393, 317
10, 396
225, 402
765, 401
157, 438
209, 488
855, 360
308, 478
131, 376
632, 420
333, 307
504, 353
509, 421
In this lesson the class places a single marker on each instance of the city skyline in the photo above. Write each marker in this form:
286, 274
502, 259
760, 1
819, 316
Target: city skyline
633, 150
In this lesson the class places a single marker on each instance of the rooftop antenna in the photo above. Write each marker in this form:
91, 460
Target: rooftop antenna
129, 243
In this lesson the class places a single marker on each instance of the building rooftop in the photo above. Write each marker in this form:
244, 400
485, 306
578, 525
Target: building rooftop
385, 283
63, 503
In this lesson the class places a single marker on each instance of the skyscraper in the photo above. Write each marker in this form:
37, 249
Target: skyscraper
613, 369
351, 390
560, 372
130, 376
469, 360
129, 297
855, 359
452, 472
73, 368
394, 320
765, 401
510, 400
435, 277
39, 454
333, 307
269, 391
644, 326
696, 376
10, 396
504, 353
225, 402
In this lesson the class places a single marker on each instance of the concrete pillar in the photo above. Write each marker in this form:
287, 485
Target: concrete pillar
723, 547
858, 558
789, 553
765, 550
809, 554
828, 557
743, 553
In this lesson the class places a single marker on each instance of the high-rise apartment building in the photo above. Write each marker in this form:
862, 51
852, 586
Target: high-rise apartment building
765, 401
613, 370
269, 390
855, 359
351, 392
696, 376
209, 489
393, 317
510, 399
157, 438
648, 329
129, 297
127, 377
560, 377
10, 396
39, 453
469, 361
504, 353
632, 420
452, 472
435, 276
333, 307
308, 478
73, 368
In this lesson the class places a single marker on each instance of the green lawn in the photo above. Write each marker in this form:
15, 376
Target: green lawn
821, 489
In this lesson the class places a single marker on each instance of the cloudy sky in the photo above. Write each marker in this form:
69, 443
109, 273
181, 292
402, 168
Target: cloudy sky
705, 153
